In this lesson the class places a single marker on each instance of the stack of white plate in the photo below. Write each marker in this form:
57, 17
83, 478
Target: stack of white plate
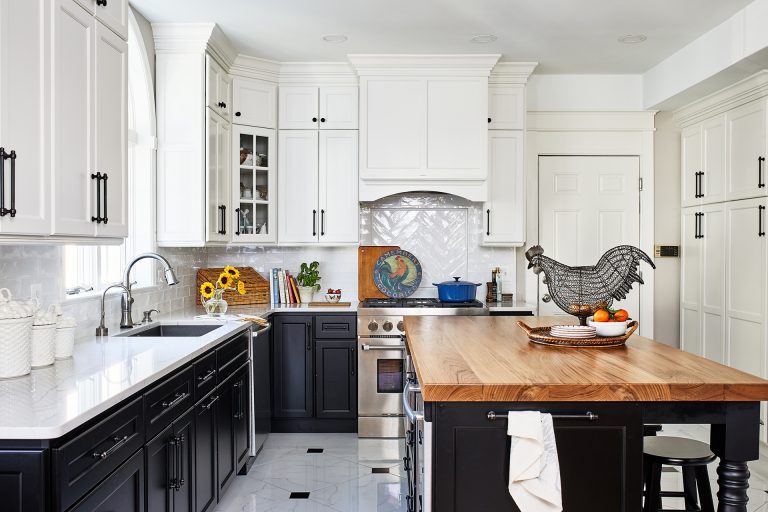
573, 331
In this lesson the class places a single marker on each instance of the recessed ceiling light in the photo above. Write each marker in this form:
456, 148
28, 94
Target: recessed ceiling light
335, 38
484, 38
633, 38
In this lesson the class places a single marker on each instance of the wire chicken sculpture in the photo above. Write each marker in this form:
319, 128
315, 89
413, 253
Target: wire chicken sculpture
581, 291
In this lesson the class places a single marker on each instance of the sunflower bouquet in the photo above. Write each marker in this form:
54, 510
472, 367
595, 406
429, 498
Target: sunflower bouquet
212, 295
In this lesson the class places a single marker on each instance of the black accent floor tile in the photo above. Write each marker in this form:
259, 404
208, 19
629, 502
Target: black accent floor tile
379, 470
299, 496
315, 450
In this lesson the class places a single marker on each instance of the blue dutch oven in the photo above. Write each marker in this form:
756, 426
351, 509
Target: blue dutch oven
456, 290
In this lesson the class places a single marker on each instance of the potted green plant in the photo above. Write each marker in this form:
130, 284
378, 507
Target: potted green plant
309, 281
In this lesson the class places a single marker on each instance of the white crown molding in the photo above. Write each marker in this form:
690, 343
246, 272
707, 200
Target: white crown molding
744, 91
540, 121
423, 65
194, 37
255, 67
512, 72
319, 73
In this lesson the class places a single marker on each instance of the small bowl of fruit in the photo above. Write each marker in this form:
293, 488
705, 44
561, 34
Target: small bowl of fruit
609, 322
332, 295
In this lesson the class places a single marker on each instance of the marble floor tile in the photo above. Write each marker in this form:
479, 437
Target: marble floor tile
375, 492
307, 472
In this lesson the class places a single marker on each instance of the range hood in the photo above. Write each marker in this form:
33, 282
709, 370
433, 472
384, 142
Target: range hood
424, 124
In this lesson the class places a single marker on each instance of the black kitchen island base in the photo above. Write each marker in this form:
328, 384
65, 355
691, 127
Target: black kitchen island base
600, 459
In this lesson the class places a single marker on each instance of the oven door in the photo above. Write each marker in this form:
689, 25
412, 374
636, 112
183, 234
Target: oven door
381, 376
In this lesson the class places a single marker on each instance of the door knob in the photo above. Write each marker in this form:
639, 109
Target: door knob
546, 298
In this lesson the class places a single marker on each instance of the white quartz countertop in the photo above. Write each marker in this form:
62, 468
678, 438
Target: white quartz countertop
52, 401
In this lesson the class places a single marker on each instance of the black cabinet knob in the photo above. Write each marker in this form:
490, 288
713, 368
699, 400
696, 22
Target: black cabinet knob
489, 119
314, 119
237, 114
102, 3
322, 119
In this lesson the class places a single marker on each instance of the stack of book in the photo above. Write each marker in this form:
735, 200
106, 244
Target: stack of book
283, 287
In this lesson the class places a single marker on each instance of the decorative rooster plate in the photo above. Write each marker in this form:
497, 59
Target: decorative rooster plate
397, 274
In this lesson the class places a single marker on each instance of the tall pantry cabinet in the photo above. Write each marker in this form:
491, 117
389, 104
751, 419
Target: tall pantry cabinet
724, 253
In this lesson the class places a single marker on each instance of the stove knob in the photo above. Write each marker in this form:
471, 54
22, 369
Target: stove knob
373, 326
400, 326
387, 326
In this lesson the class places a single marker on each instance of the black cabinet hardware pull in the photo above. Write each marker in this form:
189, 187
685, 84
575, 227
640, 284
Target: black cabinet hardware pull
701, 225
239, 399
314, 222
696, 226
102, 3
238, 114
170, 463
119, 441
760, 162
322, 119
760, 231
237, 216
322, 222
104, 177
493, 416
207, 407
314, 119
407, 463
222, 219
353, 361
488, 220
208, 375
98, 218
180, 463
309, 337
179, 398
5, 156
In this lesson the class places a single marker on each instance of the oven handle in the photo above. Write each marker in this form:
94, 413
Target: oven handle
411, 387
367, 347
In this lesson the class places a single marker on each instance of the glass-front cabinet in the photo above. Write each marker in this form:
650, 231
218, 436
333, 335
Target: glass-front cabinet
254, 187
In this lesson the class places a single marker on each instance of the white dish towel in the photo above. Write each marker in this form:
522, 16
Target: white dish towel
534, 470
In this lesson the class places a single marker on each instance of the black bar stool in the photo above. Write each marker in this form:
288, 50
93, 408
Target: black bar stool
692, 457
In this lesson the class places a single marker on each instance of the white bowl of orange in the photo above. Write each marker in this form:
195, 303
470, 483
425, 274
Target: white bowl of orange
609, 323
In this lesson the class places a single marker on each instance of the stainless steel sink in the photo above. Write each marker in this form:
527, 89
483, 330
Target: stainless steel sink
172, 331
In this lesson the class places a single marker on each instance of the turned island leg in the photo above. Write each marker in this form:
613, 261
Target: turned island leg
733, 482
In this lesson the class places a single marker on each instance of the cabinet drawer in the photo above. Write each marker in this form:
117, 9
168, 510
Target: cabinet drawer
232, 355
335, 326
205, 375
122, 490
166, 401
82, 462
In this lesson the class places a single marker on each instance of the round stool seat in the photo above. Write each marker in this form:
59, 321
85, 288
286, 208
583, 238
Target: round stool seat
677, 451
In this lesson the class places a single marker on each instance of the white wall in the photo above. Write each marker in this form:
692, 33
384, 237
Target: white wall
585, 93
667, 229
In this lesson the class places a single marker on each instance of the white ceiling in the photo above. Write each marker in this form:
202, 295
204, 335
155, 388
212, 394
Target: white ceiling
565, 36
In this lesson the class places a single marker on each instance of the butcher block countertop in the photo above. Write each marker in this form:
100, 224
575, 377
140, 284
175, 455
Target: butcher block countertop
489, 359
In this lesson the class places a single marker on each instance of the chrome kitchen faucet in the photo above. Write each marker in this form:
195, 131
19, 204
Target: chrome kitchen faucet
127, 301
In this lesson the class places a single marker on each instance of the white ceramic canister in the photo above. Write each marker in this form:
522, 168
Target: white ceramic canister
44, 338
65, 337
15, 335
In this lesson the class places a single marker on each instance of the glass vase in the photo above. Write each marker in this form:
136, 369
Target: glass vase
216, 306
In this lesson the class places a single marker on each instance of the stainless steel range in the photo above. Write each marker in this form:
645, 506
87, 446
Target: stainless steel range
381, 358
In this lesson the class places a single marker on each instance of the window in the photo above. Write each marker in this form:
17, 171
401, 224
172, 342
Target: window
95, 267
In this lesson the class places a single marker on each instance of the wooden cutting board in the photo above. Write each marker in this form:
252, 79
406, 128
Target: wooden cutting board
367, 256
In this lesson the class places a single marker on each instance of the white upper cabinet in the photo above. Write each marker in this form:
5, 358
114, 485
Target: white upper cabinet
504, 212
112, 13
23, 117
111, 133
72, 120
506, 107
703, 162
298, 215
338, 184
218, 88
254, 190
691, 165
218, 171
747, 140
307, 108
254, 103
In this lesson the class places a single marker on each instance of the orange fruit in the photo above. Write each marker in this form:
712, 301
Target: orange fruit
621, 315
601, 315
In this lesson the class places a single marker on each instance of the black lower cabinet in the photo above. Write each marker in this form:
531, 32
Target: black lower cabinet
22, 480
293, 378
336, 379
600, 461
122, 491
205, 453
170, 460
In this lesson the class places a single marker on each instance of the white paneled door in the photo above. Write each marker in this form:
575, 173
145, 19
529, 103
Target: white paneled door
297, 188
587, 205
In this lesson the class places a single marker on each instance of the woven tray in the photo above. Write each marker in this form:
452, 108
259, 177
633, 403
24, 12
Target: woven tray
257, 288
541, 336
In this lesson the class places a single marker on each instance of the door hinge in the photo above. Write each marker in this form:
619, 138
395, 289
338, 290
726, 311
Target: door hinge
641, 184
